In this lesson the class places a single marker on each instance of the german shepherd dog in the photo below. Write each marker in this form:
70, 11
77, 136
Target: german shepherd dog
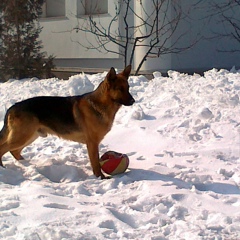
85, 118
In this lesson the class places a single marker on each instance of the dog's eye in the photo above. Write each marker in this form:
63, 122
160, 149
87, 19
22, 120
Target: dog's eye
121, 89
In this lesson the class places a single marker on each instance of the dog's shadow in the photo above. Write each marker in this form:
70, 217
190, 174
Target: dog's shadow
11, 175
149, 175
62, 173
17, 172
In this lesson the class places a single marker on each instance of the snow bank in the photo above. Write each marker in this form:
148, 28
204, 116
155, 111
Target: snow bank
183, 139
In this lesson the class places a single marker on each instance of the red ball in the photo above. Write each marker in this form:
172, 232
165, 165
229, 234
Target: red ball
114, 163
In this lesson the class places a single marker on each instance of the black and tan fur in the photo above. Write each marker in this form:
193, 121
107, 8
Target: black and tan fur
85, 119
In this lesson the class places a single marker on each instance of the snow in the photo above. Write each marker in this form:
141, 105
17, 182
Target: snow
183, 139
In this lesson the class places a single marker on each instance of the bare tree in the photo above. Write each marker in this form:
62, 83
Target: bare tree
154, 28
226, 14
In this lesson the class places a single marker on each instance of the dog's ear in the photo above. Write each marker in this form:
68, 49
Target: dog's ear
111, 74
126, 72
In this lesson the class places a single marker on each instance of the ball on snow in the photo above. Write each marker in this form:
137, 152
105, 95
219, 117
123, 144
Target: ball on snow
114, 163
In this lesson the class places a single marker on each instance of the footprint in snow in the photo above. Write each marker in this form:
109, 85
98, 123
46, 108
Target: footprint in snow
195, 137
58, 206
131, 153
9, 204
109, 224
159, 155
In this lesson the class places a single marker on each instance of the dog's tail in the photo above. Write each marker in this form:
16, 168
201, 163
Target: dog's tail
4, 132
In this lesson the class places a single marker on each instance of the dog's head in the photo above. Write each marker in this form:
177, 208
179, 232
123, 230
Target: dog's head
118, 86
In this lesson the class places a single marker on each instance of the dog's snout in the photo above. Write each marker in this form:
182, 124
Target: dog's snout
132, 101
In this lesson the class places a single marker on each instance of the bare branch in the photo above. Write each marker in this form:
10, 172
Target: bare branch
153, 29
227, 14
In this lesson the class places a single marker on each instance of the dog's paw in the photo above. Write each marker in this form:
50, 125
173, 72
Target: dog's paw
1, 165
102, 176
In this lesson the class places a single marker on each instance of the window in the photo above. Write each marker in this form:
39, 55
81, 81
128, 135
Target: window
96, 7
54, 8
92, 7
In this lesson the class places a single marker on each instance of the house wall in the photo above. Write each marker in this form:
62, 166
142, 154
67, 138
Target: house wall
210, 51
199, 31
66, 45
60, 40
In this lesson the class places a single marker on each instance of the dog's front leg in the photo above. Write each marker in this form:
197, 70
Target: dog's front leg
94, 159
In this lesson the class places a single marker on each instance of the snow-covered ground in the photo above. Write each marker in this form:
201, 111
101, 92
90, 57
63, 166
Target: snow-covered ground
183, 139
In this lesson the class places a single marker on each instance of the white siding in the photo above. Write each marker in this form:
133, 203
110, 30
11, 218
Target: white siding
60, 17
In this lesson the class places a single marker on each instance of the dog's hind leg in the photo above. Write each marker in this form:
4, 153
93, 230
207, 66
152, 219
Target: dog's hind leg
3, 145
3, 149
17, 154
17, 146
19, 130
17, 139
